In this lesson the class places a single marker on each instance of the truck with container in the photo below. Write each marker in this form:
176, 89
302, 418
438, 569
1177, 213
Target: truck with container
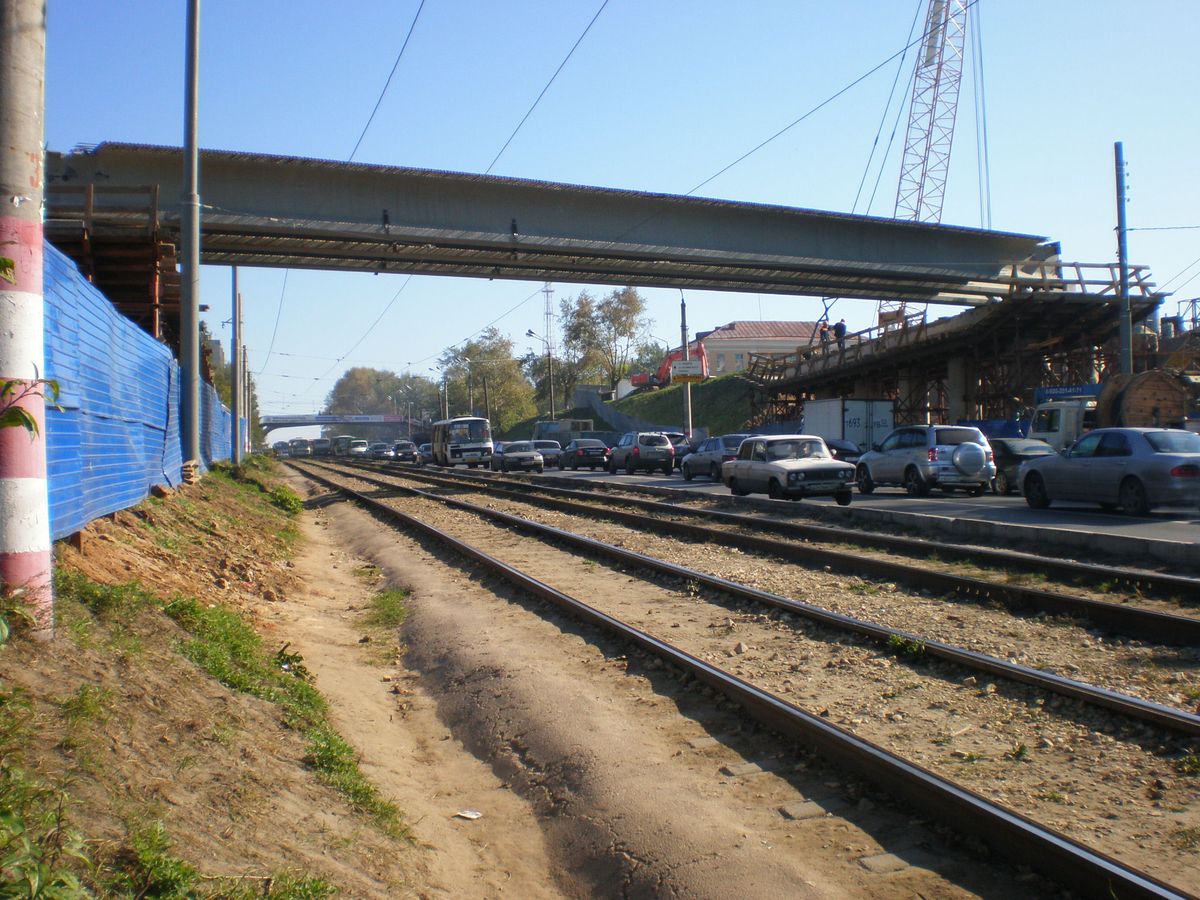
1156, 398
863, 422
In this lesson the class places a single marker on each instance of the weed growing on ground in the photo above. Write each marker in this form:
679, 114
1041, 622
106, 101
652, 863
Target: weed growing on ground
1189, 765
1052, 796
1017, 752
902, 646
387, 609
286, 499
1185, 838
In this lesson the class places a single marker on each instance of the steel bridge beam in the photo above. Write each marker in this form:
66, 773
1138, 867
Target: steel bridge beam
303, 213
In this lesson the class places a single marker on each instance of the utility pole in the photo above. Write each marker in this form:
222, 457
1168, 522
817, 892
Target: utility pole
235, 387
25, 557
687, 385
1125, 335
548, 291
247, 390
189, 312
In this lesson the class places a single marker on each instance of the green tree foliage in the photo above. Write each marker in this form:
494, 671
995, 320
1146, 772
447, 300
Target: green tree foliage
363, 391
601, 336
483, 378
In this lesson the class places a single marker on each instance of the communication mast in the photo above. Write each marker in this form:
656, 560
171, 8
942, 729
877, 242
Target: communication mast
931, 114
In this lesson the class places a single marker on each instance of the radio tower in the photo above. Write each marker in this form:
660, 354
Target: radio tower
931, 116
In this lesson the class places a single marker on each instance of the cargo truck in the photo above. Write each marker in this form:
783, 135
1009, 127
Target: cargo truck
865, 422
1152, 399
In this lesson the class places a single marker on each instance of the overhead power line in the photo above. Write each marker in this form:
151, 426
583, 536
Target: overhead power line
387, 83
529, 112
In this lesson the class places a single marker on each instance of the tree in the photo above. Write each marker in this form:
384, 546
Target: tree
600, 335
222, 382
483, 378
364, 391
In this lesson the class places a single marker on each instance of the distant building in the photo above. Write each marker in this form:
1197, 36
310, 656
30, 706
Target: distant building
729, 347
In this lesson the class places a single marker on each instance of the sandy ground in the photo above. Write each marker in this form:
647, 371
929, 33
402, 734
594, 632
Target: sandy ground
595, 774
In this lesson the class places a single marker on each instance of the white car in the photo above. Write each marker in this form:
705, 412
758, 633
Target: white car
358, 447
788, 467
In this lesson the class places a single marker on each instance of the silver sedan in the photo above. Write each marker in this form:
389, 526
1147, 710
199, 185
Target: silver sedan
1133, 468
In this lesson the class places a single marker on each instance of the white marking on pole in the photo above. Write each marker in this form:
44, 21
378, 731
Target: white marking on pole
25, 516
22, 353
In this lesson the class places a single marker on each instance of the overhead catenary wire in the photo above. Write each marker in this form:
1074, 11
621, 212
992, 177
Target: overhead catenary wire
1180, 274
275, 331
529, 112
387, 84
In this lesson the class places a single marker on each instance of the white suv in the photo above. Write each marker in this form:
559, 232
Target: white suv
922, 457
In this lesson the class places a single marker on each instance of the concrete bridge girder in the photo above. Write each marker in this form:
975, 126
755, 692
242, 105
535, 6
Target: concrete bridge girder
264, 210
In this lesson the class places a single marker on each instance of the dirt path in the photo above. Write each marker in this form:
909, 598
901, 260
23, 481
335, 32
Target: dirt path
595, 775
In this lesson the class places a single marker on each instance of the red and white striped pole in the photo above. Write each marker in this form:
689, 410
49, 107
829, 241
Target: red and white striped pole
25, 560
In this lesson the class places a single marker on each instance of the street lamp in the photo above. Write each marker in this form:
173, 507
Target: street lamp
549, 365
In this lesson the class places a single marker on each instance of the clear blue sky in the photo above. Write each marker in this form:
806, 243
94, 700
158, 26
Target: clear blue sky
658, 96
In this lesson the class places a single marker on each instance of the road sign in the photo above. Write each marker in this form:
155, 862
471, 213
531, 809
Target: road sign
687, 370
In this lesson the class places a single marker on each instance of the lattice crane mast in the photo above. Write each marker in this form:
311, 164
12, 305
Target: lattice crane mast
931, 114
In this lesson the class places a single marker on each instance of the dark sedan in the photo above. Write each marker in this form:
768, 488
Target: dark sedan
846, 451
584, 452
1133, 468
1009, 454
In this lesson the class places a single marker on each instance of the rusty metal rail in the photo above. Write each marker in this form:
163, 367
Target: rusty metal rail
1008, 833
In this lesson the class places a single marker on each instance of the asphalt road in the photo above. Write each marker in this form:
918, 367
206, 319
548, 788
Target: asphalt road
1161, 525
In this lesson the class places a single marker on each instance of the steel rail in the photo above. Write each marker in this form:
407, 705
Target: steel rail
1169, 718
1006, 832
1159, 583
1133, 621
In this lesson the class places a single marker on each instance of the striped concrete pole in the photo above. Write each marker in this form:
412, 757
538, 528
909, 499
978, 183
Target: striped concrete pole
24, 500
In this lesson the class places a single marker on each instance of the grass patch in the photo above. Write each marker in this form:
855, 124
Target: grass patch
89, 704
387, 609
721, 405
232, 652
1052, 796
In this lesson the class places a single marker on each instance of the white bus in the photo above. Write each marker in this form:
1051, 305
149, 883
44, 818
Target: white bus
463, 440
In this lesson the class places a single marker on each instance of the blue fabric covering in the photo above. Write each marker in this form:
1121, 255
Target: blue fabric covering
116, 432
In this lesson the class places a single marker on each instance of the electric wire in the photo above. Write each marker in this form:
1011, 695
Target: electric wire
886, 108
387, 83
370, 328
1180, 274
275, 331
1166, 228
480, 331
982, 143
785, 129
529, 112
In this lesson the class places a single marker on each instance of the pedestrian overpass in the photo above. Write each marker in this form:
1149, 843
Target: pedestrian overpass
270, 423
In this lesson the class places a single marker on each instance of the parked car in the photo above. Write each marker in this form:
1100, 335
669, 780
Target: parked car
551, 452
1136, 469
359, 447
380, 450
922, 457
846, 451
520, 455
582, 452
642, 450
681, 444
404, 451
1009, 454
788, 466
425, 454
710, 454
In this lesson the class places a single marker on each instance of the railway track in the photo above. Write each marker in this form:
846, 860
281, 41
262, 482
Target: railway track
1091, 871
794, 543
1145, 582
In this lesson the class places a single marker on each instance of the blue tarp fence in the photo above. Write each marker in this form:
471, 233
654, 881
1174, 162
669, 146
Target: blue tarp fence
116, 432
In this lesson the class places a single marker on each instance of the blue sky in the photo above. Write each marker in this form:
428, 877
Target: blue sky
660, 95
